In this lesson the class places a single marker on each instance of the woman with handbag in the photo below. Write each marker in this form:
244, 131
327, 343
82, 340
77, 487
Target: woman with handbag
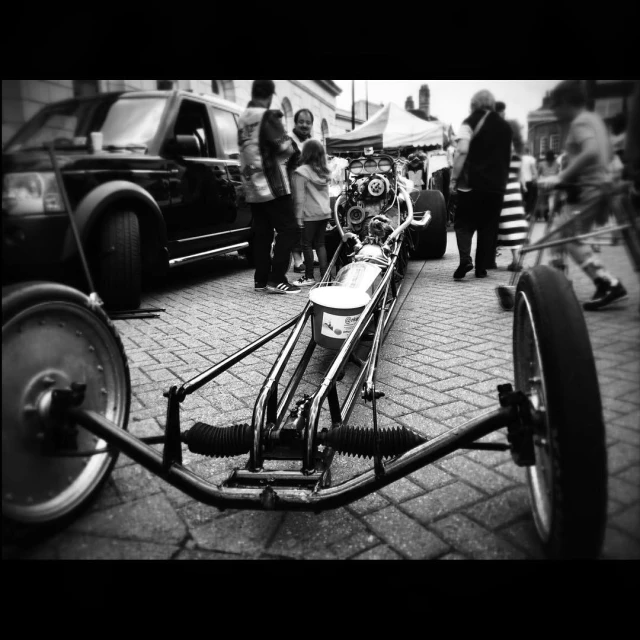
480, 174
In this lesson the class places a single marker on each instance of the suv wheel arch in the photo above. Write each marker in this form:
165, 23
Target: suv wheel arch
119, 195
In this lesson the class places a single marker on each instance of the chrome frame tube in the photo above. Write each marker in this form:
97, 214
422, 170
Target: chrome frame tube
206, 376
269, 385
285, 498
336, 366
542, 244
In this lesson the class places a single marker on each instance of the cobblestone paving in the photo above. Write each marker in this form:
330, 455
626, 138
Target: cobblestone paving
449, 348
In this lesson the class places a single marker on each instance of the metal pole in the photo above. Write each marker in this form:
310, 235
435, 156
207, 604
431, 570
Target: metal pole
353, 105
366, 96
72, 223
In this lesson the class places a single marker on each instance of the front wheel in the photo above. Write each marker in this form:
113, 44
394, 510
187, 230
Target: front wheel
119, 268
554, 366
53, 336
431, 242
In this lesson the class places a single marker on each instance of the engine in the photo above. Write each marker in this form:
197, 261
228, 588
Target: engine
371, 191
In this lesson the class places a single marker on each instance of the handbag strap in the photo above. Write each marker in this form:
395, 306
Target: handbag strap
479, 125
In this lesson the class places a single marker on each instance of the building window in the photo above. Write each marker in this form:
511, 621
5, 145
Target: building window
609, 107
544, 144
164, 85
555, 143
288, 114
85, 88
324, 128
214, 87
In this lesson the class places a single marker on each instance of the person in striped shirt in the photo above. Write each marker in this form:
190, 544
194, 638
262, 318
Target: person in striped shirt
513, 227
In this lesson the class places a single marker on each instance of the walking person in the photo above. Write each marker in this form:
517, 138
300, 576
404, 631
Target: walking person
480, 174
265, 149
589, 155
311, 182
513, 227
528, 178
547, 167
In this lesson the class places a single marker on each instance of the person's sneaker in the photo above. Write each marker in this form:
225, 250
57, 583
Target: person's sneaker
283, 287
559, 264
481, 274
304, 282
506, 296
601, 288
258, 286
462, 271
299, 269
605, 294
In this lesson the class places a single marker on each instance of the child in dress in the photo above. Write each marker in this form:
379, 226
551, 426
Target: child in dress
311, 182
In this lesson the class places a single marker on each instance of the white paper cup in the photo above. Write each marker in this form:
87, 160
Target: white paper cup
96, 141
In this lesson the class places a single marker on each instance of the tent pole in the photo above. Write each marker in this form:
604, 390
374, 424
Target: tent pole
353, 105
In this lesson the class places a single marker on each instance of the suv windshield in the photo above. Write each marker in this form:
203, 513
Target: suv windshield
125, 123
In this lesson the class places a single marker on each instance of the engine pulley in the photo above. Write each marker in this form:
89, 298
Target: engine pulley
355, 215
376, 187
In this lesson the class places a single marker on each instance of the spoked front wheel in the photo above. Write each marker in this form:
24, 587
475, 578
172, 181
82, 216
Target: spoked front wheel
555, 368
52, 337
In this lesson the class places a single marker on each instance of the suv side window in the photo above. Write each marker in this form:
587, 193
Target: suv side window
193, 121
228, 129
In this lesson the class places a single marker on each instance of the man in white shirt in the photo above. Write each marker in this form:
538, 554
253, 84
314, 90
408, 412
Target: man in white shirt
528, 180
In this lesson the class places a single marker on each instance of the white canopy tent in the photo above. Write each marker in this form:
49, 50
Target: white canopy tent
390, 128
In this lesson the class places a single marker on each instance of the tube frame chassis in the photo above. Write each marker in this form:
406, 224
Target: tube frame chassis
307, 489
274, 434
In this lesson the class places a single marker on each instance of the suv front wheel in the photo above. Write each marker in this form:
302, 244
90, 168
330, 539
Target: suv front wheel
119, 267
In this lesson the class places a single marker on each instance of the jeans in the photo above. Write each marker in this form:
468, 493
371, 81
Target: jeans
313, 238
275, 215
477, 211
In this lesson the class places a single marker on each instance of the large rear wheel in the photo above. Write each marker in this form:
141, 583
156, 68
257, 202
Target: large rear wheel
52, 336
431, 242
555, 368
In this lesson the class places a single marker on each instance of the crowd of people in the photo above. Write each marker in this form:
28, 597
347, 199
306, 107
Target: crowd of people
496, 184
286, 179
501, 189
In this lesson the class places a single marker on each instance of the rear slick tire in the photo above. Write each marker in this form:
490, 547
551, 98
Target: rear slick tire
554, 366
431, 243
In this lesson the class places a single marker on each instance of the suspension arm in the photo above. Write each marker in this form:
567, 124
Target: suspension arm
292, 498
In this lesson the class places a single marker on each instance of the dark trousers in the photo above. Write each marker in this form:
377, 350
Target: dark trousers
276, 215
531, 197
313, 238
477, 211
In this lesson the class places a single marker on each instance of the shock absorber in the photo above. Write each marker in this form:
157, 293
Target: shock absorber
359, 441
218, 442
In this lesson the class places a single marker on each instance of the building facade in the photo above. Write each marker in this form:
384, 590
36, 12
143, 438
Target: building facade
21, 99
363, 111
424, 104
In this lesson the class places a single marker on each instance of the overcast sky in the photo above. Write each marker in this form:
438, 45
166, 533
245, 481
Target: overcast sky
450, 98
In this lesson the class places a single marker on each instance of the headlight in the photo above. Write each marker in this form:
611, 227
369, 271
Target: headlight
385, 164
31, 193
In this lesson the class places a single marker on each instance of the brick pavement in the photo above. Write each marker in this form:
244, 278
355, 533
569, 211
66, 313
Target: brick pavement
449, 348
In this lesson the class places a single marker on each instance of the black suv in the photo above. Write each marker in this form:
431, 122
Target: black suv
164, 190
